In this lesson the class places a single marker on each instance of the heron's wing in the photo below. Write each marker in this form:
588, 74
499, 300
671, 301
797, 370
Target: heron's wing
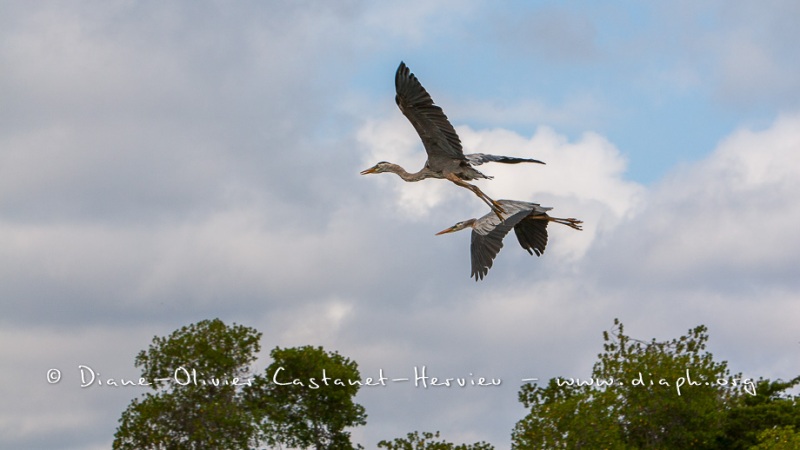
476, 159
514, 206
532, 234
487, 239
437, 133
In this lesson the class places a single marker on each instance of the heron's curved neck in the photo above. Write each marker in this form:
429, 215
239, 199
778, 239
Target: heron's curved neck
407, 176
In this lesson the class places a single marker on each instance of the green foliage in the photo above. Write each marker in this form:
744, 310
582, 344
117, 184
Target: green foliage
566, 416
415, 441
769, 410
206, 399
783, 438
307, 397
198, 404
666, 395
209, 347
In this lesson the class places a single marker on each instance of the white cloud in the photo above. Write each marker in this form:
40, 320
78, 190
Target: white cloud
730, 216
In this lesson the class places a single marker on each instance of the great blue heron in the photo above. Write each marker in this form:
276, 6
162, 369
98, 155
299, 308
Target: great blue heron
529, 221
446, 159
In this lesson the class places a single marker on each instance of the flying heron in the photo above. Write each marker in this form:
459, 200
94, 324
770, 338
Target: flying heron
446, 159
529, 221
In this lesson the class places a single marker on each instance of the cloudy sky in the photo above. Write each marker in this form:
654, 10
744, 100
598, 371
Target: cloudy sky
165, 163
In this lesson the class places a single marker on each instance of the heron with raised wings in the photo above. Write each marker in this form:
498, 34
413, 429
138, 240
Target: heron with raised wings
446, 159
529, 221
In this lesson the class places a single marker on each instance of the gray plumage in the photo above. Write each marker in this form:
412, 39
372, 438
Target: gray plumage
476, 159
529, 221
446, 159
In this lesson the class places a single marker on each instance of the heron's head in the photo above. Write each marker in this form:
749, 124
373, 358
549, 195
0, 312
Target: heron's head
458, 227
381, 167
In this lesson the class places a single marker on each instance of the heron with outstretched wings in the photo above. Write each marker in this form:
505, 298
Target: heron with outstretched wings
529, 221
446, 159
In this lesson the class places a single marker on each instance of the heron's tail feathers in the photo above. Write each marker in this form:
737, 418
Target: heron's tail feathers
476, 159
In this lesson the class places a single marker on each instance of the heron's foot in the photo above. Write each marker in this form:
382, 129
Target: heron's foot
497, 207
574, 223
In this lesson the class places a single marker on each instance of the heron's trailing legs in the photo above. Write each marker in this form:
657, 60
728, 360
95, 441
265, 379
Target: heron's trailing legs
573, 223
496, 207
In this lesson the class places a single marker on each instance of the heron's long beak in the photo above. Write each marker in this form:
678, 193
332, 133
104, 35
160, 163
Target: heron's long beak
448, 230
368, 171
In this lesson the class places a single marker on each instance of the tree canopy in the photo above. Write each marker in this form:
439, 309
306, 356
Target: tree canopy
429, 441
641, 395
666, 395
207, 397
769, 417
197, 404
307, 397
